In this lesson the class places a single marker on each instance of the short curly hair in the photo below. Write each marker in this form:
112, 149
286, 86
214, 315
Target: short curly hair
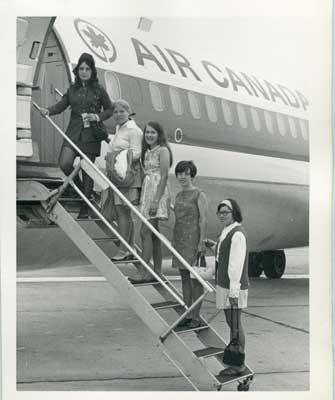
184, 166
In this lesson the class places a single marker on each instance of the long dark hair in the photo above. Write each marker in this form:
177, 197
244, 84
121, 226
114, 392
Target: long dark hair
161, 140
89, 60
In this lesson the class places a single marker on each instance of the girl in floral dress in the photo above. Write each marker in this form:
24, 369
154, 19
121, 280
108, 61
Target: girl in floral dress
155, 197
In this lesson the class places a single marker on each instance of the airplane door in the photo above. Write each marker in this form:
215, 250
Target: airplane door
53, 76
31, 37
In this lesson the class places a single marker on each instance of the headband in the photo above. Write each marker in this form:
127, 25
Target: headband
226, 203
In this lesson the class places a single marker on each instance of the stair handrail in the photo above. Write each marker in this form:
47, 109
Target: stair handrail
133, 251
161, 237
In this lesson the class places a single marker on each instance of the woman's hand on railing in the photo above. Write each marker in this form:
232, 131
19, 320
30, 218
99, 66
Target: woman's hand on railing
44, 112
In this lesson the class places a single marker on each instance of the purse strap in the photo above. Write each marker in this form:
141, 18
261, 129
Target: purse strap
235, 332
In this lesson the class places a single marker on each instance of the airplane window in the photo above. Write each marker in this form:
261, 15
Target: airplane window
211, 110
281, 124
194, 105
255, 119
293, 127
268, 121
304, 129
176, 101
227, 114
135, 91
112, 85
156, 97
242, 116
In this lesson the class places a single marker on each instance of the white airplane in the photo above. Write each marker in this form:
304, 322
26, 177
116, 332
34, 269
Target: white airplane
248, 136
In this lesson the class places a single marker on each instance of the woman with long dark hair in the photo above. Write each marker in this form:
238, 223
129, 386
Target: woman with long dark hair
90, 105
156, 159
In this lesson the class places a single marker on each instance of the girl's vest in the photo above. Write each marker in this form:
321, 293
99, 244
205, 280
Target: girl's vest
221, 266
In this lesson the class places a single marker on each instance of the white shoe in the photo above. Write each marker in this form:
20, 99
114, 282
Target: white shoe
121, 256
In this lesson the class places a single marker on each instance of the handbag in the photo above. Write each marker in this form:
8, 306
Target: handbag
129, 178
233, 353
108, 209
202, 268
99, 130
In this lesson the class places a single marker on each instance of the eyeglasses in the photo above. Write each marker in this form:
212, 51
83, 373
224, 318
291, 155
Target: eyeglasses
223, 213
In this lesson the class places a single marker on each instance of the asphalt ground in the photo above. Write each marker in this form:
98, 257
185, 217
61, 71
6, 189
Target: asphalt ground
74, 332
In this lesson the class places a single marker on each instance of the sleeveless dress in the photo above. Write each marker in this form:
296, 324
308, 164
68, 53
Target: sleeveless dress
186, 232
152, 176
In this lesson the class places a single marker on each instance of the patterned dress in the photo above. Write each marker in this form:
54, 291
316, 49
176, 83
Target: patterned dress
186, 232
152, 176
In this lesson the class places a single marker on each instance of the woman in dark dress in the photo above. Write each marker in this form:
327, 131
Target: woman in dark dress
90, 105
189, 233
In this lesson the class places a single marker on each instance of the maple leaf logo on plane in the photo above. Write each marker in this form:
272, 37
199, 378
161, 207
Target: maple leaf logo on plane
96, 40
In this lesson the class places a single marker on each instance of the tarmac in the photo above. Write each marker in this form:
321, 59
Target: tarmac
74, 332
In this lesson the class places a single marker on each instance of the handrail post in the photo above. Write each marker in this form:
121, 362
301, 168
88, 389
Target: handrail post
55, 196
198, 300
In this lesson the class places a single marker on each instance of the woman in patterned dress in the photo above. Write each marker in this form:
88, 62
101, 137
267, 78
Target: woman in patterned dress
155, 197
189, 233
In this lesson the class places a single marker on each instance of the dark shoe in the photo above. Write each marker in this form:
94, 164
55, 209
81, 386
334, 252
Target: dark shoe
185, 323
139, 281
71, 193
83, 213
194, 324
231, 371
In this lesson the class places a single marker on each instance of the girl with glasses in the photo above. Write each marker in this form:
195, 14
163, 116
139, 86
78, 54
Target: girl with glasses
231, 272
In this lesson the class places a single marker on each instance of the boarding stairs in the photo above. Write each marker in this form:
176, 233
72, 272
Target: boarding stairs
196, 353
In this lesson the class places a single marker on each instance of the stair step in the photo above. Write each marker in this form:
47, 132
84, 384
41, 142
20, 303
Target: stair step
38, 223
184, 329
132, 261
41, 179
106, 239
70, 199
87, 219
149, 283
208, 352
165, 304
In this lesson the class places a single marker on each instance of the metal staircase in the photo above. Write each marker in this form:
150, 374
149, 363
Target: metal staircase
197, 353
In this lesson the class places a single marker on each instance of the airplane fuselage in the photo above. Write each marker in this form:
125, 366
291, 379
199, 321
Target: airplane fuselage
248, 136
